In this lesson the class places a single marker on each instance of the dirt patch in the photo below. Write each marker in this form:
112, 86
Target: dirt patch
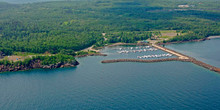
91, 49
173, 34
16, 58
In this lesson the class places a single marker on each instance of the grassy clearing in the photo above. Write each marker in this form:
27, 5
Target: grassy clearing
168, 33
21, 56
24, 54
85, 52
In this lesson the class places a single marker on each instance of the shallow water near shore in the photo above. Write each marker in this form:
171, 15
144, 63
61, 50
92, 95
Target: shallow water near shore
92, 85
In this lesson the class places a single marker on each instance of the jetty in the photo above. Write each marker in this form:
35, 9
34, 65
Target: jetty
180, 57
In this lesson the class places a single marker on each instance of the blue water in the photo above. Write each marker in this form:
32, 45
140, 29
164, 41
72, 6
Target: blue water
207, 51
92, 85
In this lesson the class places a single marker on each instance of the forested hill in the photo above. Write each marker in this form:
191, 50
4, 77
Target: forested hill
33, 1
75, 25
25, 1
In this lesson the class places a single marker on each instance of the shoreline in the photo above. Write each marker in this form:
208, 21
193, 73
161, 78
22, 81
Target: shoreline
196, 40
159, 43
178, 42
93, 54
35, 65
121, 44
124, 44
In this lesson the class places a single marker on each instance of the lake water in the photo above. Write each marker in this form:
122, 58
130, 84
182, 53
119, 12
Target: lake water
207, 51
92, 85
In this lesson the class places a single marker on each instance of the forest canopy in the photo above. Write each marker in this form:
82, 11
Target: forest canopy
74, 25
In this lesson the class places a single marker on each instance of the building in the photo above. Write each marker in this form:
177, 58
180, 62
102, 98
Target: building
103, 34
183, 6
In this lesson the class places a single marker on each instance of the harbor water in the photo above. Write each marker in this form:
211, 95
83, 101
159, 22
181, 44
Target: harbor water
119, 86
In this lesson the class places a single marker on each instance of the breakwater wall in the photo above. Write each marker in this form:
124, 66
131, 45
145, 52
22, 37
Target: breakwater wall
199, 63
139, 60
205, 65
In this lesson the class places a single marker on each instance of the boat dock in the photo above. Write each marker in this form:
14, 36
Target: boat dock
181, 56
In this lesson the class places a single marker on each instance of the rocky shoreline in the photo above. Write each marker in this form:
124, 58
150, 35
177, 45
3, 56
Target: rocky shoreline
177, 42
36, 65
94, 54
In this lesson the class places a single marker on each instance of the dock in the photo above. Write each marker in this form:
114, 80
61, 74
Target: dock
181, 56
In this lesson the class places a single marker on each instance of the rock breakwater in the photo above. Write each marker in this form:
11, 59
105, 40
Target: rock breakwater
199, 63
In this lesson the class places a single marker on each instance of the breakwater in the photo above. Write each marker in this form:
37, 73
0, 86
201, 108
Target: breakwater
199, 63
139, 60
205, 65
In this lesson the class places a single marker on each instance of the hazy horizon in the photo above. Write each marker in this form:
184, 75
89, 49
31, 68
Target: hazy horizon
30, 1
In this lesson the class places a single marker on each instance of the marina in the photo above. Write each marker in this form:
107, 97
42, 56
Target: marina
155, 56
155, 47
131, 48
135, 51
126, 50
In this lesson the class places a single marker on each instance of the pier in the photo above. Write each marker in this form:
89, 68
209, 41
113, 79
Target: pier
180, 57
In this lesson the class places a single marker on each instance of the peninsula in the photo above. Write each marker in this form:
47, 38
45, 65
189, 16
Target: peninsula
37, 62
